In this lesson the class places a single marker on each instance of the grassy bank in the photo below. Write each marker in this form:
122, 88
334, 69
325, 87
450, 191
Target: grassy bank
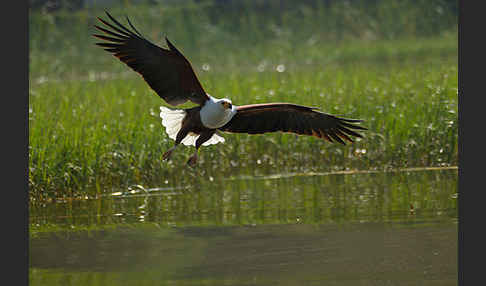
94, 125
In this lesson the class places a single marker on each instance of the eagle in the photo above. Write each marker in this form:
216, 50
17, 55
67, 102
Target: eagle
172, 77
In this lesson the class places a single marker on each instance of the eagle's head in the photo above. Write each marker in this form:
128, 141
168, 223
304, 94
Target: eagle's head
226, 103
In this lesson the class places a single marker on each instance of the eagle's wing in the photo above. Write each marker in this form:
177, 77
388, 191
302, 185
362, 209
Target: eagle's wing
285, 117
166, 71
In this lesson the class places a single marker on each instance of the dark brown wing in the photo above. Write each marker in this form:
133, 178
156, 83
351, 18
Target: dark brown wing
166, 71
285, 117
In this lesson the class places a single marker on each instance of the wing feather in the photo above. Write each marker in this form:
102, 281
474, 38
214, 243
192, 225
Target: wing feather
166, 71
298, 119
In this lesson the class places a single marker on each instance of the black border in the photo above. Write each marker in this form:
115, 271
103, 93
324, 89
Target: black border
15, 140
470, 89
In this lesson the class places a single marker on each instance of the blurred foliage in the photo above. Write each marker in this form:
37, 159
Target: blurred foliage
73, 5
61, 44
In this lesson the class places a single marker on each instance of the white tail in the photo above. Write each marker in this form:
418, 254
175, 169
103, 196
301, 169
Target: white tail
172, 121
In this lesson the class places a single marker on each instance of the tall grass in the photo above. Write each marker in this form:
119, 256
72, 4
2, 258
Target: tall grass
94, 125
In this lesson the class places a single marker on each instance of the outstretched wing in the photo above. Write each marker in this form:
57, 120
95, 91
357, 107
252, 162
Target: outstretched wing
166, 71
285, 117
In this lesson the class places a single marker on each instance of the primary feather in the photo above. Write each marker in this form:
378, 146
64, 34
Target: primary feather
166, 71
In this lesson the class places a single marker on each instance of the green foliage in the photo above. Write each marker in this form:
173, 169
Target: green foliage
94, 124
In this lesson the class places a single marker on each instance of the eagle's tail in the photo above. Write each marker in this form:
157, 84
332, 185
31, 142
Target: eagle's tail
172, 121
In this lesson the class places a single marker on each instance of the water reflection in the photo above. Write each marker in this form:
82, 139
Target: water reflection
361, 229
298, 199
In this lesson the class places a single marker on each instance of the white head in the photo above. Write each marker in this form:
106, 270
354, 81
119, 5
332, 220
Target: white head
217, 112
226, 103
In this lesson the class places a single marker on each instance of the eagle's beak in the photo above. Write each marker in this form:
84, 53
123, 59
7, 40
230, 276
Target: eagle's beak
227, 105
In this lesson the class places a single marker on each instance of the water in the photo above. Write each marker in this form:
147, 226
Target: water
395, 228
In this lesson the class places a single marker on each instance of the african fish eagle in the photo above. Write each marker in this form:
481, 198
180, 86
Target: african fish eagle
171, 76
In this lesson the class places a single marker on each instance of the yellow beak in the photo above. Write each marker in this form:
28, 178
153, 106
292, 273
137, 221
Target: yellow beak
227, 105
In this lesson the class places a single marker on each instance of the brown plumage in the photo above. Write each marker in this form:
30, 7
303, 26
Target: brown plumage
166, 71
285, 117
171, 76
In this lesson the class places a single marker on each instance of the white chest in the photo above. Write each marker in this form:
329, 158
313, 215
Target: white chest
214, 114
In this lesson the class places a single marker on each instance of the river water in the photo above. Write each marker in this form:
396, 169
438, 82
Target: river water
384, 228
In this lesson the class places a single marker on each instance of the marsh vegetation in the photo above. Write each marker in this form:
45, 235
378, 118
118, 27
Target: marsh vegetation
94, 124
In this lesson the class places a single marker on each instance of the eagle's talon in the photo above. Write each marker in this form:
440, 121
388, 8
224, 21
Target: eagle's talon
167, 154
192, 160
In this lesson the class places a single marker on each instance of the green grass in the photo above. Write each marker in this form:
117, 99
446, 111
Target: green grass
94, 124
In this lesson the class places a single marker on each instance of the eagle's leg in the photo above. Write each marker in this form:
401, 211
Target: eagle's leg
205, 136
167, 154
180, 136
